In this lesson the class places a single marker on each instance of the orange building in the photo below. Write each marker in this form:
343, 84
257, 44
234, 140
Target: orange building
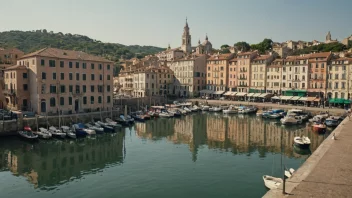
244, 70
232, 85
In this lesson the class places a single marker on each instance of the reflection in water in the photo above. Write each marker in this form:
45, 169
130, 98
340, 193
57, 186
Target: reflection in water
51, 163
239, 134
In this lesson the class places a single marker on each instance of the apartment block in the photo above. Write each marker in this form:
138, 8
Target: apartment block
274, 76
295, 73
244, 60
232, 86
318, 64
258, 73
338, 78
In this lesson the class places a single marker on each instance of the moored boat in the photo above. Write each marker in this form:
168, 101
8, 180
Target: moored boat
288, 173
165, 115
56, 132
272, 182
43, 133
302, 142
97, 129
27, 134
80, 132
290, 119
205, 108
230, 110
215, 109
69, 133
319, 127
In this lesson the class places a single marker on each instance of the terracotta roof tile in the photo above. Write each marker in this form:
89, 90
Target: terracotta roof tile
221, 56
16, 67
66, 54
320, 55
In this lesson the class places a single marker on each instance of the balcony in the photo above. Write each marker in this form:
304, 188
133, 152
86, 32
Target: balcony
296, 80
242, 78
297, 72
9, 92
243, 70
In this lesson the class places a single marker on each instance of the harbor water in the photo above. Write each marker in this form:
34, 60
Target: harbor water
198, 155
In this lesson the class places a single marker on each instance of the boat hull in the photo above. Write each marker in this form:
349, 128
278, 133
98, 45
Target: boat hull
302, 146
319, 129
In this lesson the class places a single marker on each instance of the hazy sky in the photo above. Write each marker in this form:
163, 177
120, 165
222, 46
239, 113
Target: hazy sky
160, 22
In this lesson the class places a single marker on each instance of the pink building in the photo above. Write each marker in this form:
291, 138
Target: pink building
68, 81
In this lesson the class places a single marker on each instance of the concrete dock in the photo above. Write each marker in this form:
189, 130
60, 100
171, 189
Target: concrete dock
327, 172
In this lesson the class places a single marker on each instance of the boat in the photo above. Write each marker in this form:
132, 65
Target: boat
123, 121
153, 114
43, 133
331, 122
183, 112
272, 182
176, 113
137, 117
302, 142
84, 128
69, 133
105, 126
317, 118
56, 132
224, 107
195, 108
275, 116
112, 123
288, 173
80, 132
205, 108
260, 113
97, 129
27, 134
230, 110
290, 119
215, 109
319, 127
165, 115
187, 109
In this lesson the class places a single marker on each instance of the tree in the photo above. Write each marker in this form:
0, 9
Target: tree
225, 51
224, 46
263, 46
242, 46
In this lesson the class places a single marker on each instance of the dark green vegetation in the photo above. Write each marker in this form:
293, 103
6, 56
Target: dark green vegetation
29, 41
333, 47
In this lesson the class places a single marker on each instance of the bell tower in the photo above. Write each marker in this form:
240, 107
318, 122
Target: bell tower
186, 40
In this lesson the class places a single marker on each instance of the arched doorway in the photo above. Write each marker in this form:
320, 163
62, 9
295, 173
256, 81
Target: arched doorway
43, 106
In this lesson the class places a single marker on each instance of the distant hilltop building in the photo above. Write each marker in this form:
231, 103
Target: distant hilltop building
328, 38
345, 40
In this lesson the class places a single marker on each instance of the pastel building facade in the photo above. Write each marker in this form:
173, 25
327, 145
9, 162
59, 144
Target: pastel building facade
258, 73
244, 60
274, 77
338, 78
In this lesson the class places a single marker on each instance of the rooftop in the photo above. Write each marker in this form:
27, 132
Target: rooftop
66, 54
16, 67
221, 56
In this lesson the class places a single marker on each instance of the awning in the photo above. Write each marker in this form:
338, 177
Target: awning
256, 95
286, 97
275, 98
265, 95
241, 94
303, 99
347, 102
339, 101
233, 93
317, 100
250, 94
228, 93
218, 92
295, 98
311, 99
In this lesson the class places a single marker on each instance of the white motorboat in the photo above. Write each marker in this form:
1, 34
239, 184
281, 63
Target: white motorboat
230, 110
96, 128
224, 107
187, 109
288, 173
195, 108
183, 111
205, 108
56, 132
215, 109
69, 132
43, 133
272, 182
301, 142
165, 115
290, 119
317, 118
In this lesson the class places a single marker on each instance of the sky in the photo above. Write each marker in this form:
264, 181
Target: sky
161, 22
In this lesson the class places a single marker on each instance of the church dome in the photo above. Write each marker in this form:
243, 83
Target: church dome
206, 42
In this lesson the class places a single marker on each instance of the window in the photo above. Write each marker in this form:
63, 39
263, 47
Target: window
77, 65
303, 85
108, 99
100, 77
84, 88
99, 100
42, 62
62, 76
342, 95
92, 88
52, 88
84, 76
100, 88
84, 65
51, 63
54, 76
62, 101
52, 102
25, 87
92, 76
322, 65
70, 88
70, 76
85, 100
69, 100
100, 66
336, 85
92, 100
336, 76
343, 85
108, 67
92, 66
43, 75
70, 64
24, 75
61, 63
78, 89
77, 76
108, 88
344, 67
108, 78
62, 88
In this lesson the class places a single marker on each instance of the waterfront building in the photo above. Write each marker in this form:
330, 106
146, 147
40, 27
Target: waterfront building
16, 87
318, 63
217, 73
258, 73
126, 82
295, 74
232, 85
244, 60
190, 74
67, 81
338, 78
274, 76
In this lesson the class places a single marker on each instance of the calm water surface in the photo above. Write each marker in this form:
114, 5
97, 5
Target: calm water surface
199, 155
